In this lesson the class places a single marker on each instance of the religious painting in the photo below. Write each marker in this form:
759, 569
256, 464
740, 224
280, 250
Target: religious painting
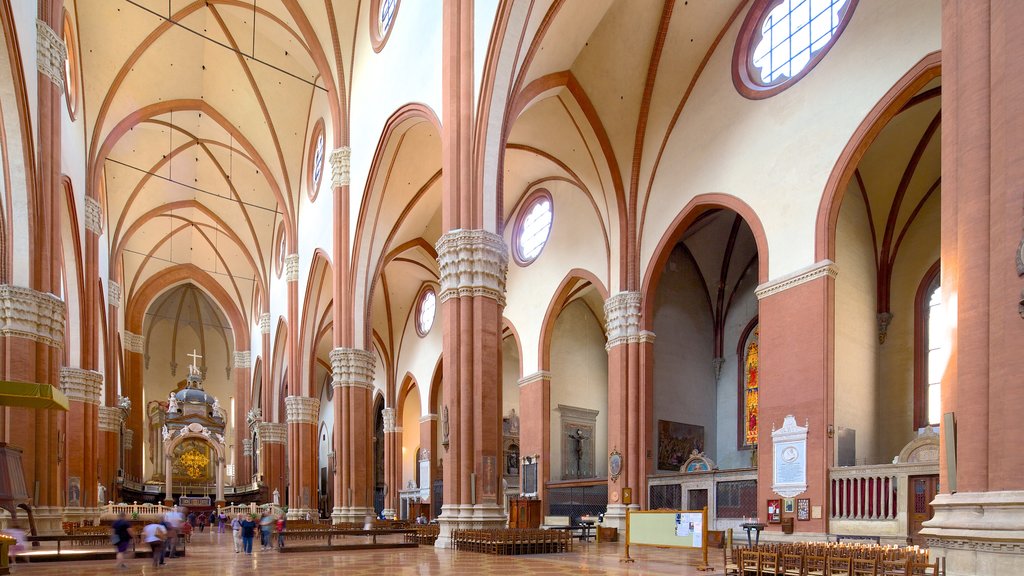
74, 491
787, 505
803, 509
750, 389
774, 511
676, 441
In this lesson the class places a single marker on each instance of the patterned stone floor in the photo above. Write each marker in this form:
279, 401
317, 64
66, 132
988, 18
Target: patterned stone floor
211, 554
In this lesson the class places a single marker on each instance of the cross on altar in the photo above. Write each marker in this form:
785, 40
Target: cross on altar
195, 357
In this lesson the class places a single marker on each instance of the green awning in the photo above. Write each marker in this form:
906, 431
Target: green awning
32, 395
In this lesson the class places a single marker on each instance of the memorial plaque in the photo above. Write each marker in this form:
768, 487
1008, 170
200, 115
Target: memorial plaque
789, 465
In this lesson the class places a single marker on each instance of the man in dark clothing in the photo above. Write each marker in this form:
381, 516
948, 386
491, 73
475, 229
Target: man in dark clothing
121, 537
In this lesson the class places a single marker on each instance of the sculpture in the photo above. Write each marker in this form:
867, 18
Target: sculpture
277, 497
101, 494
172, 403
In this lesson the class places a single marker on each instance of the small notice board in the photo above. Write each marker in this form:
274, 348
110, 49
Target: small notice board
668, 529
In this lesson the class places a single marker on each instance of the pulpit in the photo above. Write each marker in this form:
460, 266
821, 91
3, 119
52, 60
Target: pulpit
524, 513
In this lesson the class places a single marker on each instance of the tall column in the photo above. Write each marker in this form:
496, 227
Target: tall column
353, 440
796, 337
110, 420
629, 382
83, 389
535, 428
168, 479
134, 347
979, 516
473, 264
302, 414
272, 438
242, 362
392, 466
109, 435
220, 483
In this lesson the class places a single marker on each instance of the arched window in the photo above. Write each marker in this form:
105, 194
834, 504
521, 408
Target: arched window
930, 350
382, 20
781, 40
70, 67
426, 307
317, 155
533, 227
280, 251
750, 379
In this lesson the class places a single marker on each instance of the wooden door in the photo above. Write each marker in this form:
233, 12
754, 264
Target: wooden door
922, 491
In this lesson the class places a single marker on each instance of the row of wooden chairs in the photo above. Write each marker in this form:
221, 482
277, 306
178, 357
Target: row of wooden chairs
755, 563
425, 535
512, 541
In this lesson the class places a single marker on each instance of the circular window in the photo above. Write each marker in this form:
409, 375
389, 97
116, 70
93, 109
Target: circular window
382, 20
317, 155
533, 227
70, 67
782, 40
280, 249
426, 307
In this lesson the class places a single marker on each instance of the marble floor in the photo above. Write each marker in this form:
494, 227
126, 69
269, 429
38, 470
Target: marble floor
211, 554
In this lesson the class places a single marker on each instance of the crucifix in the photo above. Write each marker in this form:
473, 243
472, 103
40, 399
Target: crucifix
193, 369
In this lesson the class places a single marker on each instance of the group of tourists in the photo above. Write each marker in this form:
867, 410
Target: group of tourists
243, 528
162, 534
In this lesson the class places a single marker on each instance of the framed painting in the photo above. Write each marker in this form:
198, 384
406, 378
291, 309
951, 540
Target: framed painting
676, 441
803, 509
787, 505
774, 511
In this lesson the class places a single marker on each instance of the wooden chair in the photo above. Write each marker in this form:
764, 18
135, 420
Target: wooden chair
865, 566
840, 566
815, 565
792, 564
749, 560
924, 569
768, 563
732, 565
894, 567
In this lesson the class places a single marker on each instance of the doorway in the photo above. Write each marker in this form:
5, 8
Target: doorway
922, 491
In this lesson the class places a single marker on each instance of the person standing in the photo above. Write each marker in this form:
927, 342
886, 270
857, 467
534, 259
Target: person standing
236, 532
121, 536
280, 531
154, 535
266, 523
221, 520
172, 522
248, 527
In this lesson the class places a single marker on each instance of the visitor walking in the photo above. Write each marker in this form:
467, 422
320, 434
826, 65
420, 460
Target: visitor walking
266, 524
248, 531
121, 536
154, 535
222, 519
280, 531
172, 523
236, 532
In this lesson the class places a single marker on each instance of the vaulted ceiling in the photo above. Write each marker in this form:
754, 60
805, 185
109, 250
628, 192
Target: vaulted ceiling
197, 114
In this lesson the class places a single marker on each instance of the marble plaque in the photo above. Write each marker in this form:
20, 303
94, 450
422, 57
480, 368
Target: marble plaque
789, 465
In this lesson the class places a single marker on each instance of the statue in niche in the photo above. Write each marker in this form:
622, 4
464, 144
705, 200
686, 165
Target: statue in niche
277, 497
216, 407
172, 403
101, 494
444, 428
578, 437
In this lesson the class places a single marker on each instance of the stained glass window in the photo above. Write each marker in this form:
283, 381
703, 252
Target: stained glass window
750, 383
387, 15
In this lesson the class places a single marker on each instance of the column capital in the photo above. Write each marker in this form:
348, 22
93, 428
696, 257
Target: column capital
352, 367
812, 272
81, 385
27, 313
134, 342
242, 359
51, 53
538, 376
93, 216
291, 268
388, 415
301, 410
110, 418
113, 293
622, 320
341, 162
272, 433
472, 263
265, 323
